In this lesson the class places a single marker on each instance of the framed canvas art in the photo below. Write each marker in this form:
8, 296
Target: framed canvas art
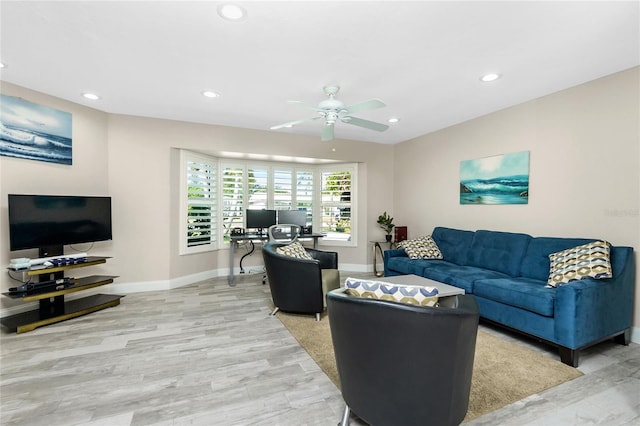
34, 132
501, 179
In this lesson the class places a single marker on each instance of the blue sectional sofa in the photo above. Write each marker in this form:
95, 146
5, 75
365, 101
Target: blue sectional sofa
507, 274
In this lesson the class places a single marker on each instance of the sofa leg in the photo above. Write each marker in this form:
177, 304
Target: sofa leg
623, 338
345, 416
274, 311
317, 316
571, 357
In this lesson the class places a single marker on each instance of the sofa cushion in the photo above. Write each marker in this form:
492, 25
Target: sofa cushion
460, 276
591, 260
498, 251
536, 264
404, 265
525, 293
421, 248
294, 250
453, 243
409, 294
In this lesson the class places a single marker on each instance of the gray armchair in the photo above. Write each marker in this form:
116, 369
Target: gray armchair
403, 364
300, 285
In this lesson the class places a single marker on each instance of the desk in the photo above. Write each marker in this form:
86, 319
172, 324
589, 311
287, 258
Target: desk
260, 238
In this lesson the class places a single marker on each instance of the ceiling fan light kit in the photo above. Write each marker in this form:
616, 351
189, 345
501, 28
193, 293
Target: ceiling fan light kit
332, 110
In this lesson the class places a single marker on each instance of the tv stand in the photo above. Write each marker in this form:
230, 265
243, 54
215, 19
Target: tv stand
52, 306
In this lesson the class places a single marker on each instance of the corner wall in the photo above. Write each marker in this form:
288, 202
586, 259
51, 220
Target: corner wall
584, 146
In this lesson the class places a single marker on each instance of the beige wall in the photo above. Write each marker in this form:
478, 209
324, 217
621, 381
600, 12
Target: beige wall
135, 160
584, 167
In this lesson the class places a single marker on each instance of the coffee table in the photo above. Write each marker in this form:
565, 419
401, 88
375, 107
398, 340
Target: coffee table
443, 289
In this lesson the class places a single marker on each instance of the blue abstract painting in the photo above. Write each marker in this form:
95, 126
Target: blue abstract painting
501, 179
34, 132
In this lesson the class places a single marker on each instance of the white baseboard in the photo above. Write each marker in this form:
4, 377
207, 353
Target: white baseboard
635, 334
356, 267
138, 287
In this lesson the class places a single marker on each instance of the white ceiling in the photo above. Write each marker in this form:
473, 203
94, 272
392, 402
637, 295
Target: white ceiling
422, 58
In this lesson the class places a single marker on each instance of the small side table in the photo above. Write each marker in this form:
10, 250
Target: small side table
377, 248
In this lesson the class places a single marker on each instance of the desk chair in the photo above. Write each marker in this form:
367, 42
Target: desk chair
284, 233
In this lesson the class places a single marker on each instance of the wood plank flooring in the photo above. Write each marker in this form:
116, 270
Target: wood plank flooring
208, 354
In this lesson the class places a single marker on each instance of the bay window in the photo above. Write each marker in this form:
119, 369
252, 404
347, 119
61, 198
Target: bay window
216, 192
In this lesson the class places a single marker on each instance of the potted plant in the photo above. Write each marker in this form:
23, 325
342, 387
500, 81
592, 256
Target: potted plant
386, 223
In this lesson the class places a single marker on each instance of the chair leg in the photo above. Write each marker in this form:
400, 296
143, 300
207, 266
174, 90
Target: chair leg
274, 311
317, 316
345, 416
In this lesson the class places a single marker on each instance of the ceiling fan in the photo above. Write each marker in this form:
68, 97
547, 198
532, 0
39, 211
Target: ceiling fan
332, 110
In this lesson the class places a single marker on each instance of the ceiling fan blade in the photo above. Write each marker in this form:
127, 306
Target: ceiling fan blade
366, 105
365, 123
327, 132
292, 123
306, 105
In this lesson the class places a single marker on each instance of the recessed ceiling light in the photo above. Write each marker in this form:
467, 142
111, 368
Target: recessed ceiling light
232, 12
492, 76
2, 65
393, 120
210, 94
91, 96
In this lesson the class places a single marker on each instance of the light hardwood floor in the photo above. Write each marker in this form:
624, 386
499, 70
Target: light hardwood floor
208, 354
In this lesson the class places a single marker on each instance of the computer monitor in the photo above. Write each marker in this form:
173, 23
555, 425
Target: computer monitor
260, 219
293, 217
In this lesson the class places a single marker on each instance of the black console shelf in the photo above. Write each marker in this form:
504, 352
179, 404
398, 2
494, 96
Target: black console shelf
52, 306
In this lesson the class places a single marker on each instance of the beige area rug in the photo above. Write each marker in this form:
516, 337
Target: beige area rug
503, 372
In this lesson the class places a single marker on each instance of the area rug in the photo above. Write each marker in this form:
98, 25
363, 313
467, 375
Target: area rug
503, 372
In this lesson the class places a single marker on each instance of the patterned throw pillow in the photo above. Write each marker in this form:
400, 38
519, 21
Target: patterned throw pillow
590, 260
294, 250
409, 294
421, 248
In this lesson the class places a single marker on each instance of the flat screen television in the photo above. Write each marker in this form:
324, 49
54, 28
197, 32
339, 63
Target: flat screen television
260, 219
293, 217
49, 222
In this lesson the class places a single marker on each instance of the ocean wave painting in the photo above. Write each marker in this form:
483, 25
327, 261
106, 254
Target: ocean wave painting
501, 179
34, 132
